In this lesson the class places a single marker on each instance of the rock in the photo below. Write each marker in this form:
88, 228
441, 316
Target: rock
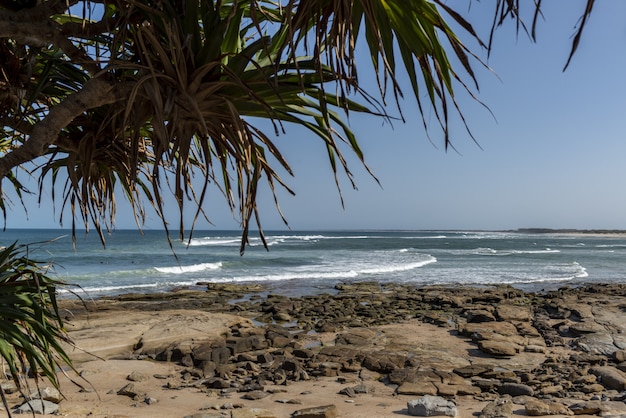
412, 388
326, 411
479, 315
128, 390
498, 348
472, 370
251, 413
597, 343
586, 408
610, 377
37, 406
430, 406
48, 393
515, 389
619, 356
136, 377
486, 330
507, 312
8, 387
255, 395
537, 408
499, 408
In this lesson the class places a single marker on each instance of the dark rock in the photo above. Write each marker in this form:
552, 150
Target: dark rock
472, 370
515, 389
479, 315
129, 390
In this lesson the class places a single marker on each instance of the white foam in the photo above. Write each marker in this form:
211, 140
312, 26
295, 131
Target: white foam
189, 269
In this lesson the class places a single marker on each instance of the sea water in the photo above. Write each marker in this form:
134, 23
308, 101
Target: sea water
299, 263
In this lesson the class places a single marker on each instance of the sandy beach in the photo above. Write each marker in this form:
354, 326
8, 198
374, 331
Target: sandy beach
367, 352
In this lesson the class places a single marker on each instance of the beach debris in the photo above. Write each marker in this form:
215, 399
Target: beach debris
431, 406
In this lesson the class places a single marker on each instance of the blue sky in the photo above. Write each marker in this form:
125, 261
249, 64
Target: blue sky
551, 155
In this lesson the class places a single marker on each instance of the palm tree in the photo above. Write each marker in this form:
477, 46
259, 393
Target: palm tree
144, 97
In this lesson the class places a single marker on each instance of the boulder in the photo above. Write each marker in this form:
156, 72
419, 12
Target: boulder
430, 406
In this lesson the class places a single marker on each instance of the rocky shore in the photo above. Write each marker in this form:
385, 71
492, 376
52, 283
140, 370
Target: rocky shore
368, 350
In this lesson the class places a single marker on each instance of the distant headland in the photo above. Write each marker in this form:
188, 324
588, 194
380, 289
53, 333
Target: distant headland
570, 231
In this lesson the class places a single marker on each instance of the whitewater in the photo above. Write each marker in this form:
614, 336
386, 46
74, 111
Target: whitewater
310, 262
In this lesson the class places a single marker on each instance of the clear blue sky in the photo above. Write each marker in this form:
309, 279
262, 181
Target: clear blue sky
553, 155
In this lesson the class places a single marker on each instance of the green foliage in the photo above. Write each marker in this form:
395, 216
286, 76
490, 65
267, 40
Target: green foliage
31, 328
147, 97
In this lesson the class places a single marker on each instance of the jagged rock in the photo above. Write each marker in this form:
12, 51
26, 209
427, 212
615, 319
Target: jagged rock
128, 390
499, 408
537, 408
37, 406
326, 411
430, 406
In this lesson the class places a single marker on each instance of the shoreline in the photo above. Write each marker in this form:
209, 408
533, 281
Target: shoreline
367, 350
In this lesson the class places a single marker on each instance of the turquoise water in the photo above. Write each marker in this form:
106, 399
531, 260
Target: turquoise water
300, 263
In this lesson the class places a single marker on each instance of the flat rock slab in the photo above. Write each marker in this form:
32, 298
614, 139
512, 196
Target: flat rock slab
107, 335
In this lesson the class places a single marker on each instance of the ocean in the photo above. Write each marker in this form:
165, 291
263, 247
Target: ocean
311, 262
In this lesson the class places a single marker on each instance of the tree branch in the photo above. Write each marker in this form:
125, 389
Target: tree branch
96, 92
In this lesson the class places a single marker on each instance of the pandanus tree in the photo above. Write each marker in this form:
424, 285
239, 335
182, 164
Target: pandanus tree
149, 98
